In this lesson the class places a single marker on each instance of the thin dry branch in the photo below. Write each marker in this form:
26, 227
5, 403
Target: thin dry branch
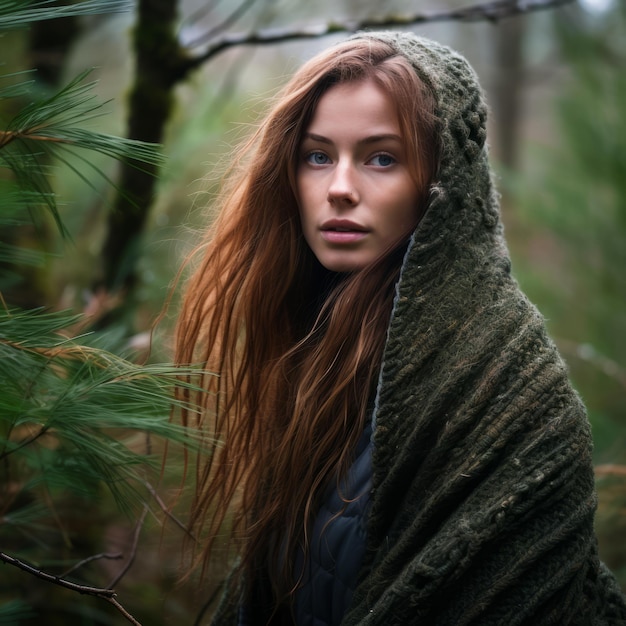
165, 509
24, 442
94, 557
133, 550
106, 594
487, 11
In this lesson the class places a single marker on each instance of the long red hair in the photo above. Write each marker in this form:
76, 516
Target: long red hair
291, 352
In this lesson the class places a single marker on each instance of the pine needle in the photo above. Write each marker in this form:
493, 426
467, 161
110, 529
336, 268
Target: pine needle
15, 13
45, 130
68, 411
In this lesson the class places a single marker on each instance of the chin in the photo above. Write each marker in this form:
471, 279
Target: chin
343, 266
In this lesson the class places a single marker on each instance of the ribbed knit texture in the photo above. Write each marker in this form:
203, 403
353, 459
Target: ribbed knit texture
483, 499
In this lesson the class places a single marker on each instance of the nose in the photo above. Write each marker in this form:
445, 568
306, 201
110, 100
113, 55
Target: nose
342, 189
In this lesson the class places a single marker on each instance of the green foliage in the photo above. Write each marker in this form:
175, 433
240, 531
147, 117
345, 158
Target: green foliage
17, 13
47, 129
576, 219
69, 411
81, 427
586, 181
578, 209
12, 612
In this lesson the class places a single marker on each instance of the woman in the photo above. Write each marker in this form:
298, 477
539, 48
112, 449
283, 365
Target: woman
398, 440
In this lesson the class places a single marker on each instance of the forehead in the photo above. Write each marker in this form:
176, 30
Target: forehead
356, 105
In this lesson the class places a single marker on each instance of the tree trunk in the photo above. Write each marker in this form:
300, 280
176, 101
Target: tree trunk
157, 54
509, 88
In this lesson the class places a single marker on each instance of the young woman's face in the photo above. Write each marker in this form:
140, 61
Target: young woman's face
355, 190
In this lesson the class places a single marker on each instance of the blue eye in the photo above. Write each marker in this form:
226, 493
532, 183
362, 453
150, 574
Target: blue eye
383, 160
317, 158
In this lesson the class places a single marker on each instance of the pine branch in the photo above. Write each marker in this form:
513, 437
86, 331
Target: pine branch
54, 120
15, 13
62, 406
16, 254
488, 11
45, 130
75, 396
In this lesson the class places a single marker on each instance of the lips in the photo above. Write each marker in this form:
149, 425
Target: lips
341, 231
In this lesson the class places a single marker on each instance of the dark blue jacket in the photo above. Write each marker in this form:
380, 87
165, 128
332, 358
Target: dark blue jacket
338, 542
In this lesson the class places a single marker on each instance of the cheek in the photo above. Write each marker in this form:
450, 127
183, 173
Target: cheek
407, 212
414, 212
304, 214
301, 196
305, 197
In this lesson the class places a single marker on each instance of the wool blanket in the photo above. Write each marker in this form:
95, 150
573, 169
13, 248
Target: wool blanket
483, 489
483, 499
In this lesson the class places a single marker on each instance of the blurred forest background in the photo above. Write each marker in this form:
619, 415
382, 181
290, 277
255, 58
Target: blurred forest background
94, 230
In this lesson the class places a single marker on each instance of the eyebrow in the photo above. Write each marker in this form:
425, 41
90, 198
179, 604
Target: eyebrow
366, 140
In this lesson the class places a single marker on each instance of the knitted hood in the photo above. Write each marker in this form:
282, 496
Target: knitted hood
483, 498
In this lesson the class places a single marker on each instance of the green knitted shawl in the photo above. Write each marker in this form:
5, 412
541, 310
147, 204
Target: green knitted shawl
483, 498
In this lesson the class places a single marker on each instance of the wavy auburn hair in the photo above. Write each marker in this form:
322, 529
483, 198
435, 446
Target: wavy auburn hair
295, 348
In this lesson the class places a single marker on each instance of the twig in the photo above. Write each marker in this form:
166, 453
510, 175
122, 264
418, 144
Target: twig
89, 559
167, 512
123, 611
25, 442
107, 594
7, 136
133, 549
487, 11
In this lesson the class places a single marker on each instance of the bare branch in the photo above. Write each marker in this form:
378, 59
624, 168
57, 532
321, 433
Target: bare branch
107, 594
168, 513
123, 611
57, 580
89, 559
25, 442
133, 549
487, 11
